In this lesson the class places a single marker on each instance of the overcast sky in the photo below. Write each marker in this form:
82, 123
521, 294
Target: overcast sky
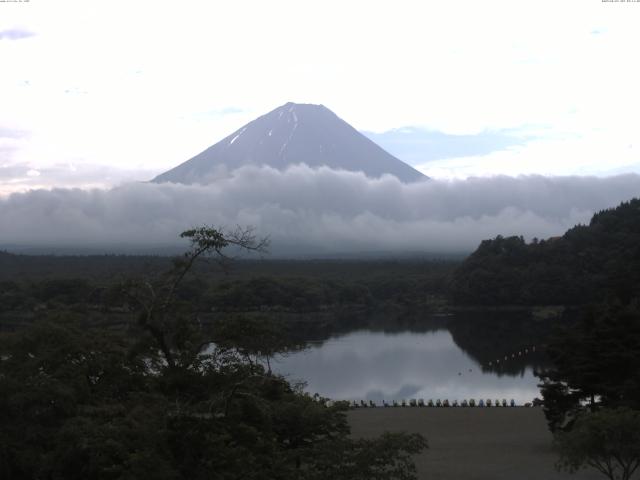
523, 113
94, 93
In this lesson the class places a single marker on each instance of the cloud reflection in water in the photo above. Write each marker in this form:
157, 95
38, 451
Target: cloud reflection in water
376, 365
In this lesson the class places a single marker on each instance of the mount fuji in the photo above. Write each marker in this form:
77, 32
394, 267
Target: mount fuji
289, 135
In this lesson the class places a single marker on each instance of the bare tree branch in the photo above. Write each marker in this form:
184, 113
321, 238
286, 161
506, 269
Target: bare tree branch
156, 297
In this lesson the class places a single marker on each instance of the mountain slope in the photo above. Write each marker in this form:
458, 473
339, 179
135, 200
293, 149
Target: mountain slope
588, 263
292, 134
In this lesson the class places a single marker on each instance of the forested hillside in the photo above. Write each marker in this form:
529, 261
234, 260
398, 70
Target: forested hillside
588, 263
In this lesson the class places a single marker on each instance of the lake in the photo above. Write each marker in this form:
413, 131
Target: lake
377, 365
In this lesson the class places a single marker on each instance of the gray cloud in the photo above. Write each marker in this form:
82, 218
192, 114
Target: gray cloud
12, 172
305, 210
15, 34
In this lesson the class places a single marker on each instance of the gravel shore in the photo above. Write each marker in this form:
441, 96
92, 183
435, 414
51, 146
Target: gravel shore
472, 443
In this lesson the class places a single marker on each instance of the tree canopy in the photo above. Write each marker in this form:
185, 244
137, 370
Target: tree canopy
607, 440
596, 363
588, 263
159, 400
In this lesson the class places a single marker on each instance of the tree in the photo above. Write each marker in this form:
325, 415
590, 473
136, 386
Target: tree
588, 263
53, 375
596, 363
255, 337
161, 316
155, 401
607, 440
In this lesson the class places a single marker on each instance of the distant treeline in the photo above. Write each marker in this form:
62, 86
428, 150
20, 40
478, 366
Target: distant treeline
589, 263
32, 285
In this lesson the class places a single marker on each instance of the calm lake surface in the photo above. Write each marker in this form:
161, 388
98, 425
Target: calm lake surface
368, 365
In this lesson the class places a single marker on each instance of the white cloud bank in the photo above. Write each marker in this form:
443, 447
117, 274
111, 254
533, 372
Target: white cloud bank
313, 211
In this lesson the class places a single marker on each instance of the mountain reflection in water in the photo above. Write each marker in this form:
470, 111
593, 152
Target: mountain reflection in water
374, 365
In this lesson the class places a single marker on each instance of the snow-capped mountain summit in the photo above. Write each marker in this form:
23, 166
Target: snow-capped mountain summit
292, 134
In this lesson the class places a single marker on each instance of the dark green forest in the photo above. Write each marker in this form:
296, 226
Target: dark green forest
308, 295
588, 263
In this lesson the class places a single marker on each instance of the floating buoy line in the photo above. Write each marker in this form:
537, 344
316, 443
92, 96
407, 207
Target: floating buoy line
420, 403
512, 356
